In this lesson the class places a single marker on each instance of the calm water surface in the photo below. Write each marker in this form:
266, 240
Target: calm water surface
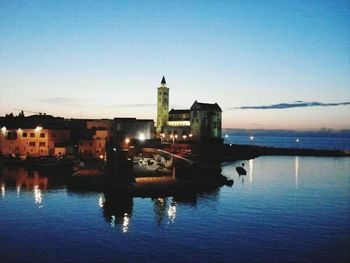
286, 209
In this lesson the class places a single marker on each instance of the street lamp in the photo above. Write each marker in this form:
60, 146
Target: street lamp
38, 129
162, 137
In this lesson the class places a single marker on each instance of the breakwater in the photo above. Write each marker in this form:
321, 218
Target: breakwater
229, 152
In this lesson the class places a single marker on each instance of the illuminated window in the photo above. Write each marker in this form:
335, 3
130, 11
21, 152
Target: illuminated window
32, 144
32, 135
41, 143
42, 135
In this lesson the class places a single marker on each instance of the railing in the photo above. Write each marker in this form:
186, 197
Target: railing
176, 157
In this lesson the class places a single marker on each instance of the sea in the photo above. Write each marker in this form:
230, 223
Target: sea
286, 209
324, 140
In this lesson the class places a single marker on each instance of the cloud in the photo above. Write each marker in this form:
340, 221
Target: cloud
63, 101
296, 104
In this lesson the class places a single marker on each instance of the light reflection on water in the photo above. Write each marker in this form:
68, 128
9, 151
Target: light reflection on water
288, 208
296, 168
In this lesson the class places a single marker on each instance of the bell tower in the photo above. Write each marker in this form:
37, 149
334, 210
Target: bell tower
162, 106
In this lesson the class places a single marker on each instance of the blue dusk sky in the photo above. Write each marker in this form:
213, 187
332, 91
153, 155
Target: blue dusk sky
268, 64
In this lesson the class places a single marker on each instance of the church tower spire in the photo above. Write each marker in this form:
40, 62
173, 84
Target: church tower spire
163, 81
162, 106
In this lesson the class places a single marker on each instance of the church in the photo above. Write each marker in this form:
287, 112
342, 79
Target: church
201, 122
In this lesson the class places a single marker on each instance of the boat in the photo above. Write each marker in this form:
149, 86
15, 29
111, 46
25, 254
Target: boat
240, 170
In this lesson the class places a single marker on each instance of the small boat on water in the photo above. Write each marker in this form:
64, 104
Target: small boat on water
240, 170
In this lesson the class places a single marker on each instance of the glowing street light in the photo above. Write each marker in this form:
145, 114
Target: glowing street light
142, 137
127, 140
3, 130
184, 137
251, 138
38, 128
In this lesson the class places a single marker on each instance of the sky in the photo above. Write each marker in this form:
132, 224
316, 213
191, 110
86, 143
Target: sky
268, 64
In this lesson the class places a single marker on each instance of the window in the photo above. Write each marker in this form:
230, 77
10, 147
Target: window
12, 135
42, 135
32, 135
24, 135
32, 144
41, 143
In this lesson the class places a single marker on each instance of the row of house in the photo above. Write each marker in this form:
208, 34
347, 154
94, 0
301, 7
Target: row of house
43, 135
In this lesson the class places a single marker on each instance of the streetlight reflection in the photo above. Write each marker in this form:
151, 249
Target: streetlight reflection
251, 165
172, 212
3, 191
38, 196
101, 200
296, 168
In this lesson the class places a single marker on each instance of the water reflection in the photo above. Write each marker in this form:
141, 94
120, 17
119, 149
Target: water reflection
251, 165
296, 169
164, 208
38, 196
3, 190
21, 178
117, 210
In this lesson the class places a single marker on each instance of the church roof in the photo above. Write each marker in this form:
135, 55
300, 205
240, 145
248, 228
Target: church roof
206, 106
163, 80
173, 111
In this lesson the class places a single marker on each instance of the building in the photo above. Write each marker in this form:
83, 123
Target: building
162, 106
93, 143
132, 128
201, 122
101, 124
205, 119
37, 135
178, 125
